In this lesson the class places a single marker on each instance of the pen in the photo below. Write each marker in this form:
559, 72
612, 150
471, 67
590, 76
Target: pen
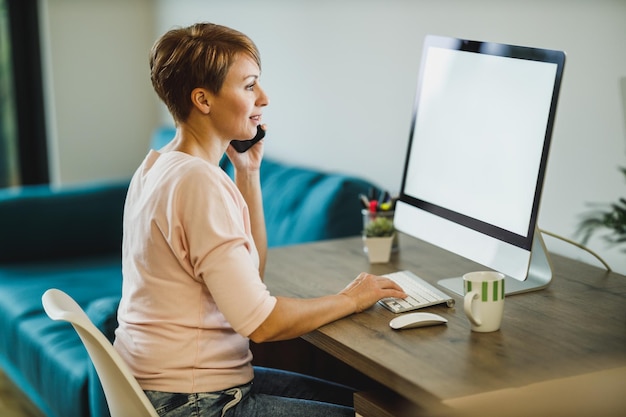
371, 194
384, 197
364, 201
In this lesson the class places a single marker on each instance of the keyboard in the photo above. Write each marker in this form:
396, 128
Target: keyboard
421, 293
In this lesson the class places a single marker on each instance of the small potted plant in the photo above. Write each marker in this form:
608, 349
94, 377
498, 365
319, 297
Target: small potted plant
378, 238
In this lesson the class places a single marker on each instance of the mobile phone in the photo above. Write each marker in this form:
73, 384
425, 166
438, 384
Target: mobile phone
243, 145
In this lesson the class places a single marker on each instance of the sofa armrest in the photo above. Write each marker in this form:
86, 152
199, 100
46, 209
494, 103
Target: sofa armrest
40, 222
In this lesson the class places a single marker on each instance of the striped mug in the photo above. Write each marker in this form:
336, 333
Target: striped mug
484, 300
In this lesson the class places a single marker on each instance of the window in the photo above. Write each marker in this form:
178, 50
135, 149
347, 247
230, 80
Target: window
23, 151
9, 170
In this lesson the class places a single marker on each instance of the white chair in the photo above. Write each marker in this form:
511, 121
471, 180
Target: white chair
124, 396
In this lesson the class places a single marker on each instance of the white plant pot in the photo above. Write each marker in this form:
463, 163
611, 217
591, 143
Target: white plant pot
378, 248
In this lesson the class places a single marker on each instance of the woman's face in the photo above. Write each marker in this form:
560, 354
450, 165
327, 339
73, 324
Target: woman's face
237, 109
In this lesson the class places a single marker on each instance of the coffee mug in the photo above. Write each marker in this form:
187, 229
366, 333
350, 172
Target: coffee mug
484, 300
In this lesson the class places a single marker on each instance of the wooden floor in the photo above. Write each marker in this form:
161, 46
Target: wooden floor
13, 403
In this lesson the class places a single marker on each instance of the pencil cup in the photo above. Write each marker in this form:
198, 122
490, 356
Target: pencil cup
369, 217
484, 300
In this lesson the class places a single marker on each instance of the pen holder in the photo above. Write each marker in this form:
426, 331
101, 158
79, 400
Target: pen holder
369, 216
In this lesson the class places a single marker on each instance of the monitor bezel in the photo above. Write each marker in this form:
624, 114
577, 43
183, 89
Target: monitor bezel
489, 230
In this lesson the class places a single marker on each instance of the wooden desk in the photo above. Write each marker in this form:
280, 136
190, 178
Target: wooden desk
576, 326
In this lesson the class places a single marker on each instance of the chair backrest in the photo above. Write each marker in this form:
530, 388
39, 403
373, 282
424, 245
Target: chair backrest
125, 397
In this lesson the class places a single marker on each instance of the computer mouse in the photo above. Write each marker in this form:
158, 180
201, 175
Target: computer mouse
411, 320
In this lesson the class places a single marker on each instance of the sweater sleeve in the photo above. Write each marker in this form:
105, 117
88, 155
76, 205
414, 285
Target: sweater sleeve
220, 249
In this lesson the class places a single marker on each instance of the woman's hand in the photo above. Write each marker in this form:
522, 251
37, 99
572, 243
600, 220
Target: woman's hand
367, 289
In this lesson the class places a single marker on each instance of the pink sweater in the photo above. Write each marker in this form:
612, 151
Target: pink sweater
191, 291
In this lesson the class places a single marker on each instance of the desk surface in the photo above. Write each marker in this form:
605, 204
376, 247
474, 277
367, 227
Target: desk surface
576, 326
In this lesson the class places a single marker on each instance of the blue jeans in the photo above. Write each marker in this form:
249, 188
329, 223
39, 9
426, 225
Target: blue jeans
273, 393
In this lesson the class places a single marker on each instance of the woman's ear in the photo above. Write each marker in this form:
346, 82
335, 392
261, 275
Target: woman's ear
201, 99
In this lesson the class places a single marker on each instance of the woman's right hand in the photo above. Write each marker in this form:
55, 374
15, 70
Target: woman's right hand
366, 289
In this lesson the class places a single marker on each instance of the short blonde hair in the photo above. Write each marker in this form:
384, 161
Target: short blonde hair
196, 56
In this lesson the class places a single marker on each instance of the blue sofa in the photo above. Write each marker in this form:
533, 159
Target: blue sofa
70, 238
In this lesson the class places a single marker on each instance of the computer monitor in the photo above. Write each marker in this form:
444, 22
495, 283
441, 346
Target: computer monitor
477, 153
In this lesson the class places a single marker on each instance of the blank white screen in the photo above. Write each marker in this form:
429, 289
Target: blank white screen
479, 134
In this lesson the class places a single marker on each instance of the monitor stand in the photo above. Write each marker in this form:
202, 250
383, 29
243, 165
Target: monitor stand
539, 273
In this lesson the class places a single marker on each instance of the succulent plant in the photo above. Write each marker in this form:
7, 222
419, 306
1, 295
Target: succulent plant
380, 226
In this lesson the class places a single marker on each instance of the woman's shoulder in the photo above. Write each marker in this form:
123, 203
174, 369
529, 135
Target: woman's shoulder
187, 167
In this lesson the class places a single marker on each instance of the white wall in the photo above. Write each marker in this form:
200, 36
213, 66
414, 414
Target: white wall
100, 107
341, 77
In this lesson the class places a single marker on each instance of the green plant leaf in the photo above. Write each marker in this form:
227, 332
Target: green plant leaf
608, 218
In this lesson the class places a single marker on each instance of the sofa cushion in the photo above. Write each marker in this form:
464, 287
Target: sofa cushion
103, 314
50, 354
53, 359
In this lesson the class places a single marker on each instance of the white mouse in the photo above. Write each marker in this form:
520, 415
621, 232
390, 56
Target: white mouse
411, 320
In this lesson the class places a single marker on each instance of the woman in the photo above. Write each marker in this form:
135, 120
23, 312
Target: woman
194, 249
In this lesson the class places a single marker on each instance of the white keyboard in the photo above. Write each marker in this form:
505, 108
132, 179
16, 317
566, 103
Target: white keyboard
421, 293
